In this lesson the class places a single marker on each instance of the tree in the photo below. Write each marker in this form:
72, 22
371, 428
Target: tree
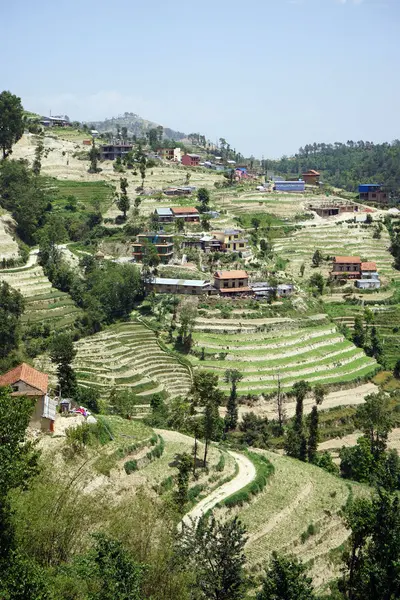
296, 443
232, 376
123, 202
280, 404
62, 353
11, 122
396, 370
124, 402
117, 576
317, 258
184, 464
319, 393
216, 551
37, 163
317, 281
203, 196
286, 579
373, 562
187, 313
205, 392
94, 155
12, 306
358, 333
375, 421
313, 435
376, 349
302, 269
255, 223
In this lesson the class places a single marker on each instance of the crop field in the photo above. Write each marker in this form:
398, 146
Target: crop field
88, 193
43, 302
127, 355
299, 512
342, 239
318, 354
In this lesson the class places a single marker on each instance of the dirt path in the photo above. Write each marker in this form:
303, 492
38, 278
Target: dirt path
284, 514
351, 440
246, 474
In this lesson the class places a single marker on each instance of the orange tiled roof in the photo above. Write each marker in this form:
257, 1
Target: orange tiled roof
311, 172
347, 259
27, 374
182, 210
231, 275
368, 266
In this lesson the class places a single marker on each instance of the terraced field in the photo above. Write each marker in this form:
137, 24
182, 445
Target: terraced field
298, 495
341, 239
127, 355
317, 353
8, 245
43, 302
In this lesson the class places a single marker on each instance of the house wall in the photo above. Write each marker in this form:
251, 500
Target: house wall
231, 283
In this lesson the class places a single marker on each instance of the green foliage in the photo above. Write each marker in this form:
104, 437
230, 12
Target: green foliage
12, 305
232, 376
203, 196
11, 121
124, 402
317, 258
286, 579
62, 353
216, 551
184, 464
317, 281
130, 466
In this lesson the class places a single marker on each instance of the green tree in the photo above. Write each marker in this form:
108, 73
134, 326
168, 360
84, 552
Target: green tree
205, 393
317, 258
216, 552
232, 376
12, 306
11, 121
319, 393
123, 402
317, 281
312, 445
296, 443
37, 162
184, 464
302, 269
286, 579
255, 223
187, 312
94, 155
376, 349
62, 353
396, 370
203, 196
117, 576
358, 333
123, 201
374, 419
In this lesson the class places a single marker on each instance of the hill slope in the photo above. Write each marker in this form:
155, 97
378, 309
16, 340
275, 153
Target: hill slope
135, 125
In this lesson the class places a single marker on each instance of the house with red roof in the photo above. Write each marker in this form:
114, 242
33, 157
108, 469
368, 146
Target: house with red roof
311, 177
346, 267
232, 282
187, 213
24, 380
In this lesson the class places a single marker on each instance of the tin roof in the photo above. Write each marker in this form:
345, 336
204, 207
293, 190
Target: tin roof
231, 275
182, 210
164, 212
28, 375
183, 282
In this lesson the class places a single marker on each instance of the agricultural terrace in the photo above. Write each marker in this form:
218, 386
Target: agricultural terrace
263, 348
336, 238
299, 512
43, 302
128, 356
8, 245
89, 194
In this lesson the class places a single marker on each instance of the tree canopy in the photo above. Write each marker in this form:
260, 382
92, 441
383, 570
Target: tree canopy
11, 121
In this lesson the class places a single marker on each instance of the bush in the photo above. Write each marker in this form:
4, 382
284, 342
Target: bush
264, 469
130, 466
221, 463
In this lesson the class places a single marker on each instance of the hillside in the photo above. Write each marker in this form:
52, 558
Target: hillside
135, 125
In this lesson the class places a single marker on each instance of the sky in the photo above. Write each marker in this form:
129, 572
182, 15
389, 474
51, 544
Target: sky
269, 76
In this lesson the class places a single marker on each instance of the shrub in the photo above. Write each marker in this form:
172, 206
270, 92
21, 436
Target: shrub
264, 469
130, 466
221, 463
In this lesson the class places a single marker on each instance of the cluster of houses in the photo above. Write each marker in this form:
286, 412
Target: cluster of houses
228, 240
226, 283
364, 274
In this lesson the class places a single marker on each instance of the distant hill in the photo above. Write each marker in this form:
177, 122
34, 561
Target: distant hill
136, 126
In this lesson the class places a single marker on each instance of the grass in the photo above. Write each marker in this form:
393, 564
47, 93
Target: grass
88, 194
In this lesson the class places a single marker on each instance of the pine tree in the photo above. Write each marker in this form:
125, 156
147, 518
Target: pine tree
184, 465
313, 435
232, 376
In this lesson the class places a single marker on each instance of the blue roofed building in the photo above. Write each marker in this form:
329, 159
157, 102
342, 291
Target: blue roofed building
372, 192
290, 186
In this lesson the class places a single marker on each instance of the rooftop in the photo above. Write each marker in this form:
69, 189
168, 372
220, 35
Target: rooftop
368, 266
182, 210
347, 259
28, 375
193, 155
185, 282
231, 275
164, 212
311, 172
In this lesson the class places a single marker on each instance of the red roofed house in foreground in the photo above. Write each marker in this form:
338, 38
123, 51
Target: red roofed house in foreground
311, 177
346, 267
187, 213
231, 282
27, 381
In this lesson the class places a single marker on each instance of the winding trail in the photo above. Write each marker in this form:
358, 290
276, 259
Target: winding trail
246, 474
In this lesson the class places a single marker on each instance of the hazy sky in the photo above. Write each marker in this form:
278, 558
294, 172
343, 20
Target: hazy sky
268, 75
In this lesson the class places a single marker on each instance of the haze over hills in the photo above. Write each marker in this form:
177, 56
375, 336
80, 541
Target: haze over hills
135, 125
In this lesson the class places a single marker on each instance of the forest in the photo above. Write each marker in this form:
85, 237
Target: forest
346, 165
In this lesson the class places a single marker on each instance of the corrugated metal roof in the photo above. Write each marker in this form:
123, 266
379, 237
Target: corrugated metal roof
186, 282
164, 212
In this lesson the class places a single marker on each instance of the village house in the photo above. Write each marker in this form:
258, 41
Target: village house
332, 208
264, 289
190, 160
193, 287
179, 191
164, 215
171, 154
114, 151
346, 267
56, 121
311, 177
232, 240
372, 192
369, 276
289, 186
187, 213
27, 381
231, 282
163, 242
